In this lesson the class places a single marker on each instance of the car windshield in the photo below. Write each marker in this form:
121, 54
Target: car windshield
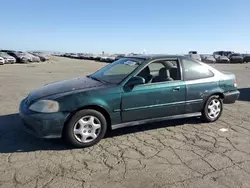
117, 71
193, 52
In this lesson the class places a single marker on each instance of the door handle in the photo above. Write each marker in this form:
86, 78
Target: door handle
176, 89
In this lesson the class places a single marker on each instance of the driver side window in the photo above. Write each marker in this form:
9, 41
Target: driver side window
161, 71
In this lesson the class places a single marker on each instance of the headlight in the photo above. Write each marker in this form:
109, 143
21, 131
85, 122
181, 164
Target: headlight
45, 106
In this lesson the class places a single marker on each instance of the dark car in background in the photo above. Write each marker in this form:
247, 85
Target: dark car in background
246, 58
130, 91
223, 53
236, 58
118, 56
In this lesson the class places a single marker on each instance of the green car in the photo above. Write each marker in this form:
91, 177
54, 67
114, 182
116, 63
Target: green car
130, 91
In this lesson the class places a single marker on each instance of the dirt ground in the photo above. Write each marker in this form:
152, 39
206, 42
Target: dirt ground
183, 153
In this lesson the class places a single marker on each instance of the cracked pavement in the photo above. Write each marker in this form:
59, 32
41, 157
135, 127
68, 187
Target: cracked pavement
179, 153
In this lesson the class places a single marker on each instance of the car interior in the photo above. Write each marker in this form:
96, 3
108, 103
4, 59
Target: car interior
160, 71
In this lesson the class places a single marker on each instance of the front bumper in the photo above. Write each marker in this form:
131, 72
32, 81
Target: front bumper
222, 60
10, 61
42, 125
231, 97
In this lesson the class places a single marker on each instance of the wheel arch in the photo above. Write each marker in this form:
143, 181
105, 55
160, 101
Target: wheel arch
220, 94
98, 108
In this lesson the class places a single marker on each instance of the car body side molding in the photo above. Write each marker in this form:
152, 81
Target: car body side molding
139, 122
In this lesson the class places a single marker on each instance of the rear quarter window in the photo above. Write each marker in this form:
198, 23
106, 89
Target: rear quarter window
193, 70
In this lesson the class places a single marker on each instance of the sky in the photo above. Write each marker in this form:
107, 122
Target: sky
124, 26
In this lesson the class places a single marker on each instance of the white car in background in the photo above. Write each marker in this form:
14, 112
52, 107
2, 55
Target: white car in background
2, 61
7, 58
194, 55
104, 58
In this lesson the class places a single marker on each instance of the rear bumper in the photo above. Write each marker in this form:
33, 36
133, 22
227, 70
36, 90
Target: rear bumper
231, 97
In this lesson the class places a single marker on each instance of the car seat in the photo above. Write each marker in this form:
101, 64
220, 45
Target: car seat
163, 76
145, 73
174, 73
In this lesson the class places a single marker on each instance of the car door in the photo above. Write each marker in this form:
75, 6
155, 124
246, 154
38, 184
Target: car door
153, 100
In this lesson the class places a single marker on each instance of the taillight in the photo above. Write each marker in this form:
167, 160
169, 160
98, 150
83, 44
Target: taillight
235, 83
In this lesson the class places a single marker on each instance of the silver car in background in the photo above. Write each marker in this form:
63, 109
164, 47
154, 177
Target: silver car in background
7, 58
2, 61
208, 59
41, 56
194, 55
221, 59
31, 57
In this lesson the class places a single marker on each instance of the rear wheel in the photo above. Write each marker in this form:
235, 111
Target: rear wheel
213, 109
85, 128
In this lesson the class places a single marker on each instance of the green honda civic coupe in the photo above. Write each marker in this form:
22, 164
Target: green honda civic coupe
130, 91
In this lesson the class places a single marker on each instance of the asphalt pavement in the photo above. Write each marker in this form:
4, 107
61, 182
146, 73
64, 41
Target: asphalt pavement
179, 153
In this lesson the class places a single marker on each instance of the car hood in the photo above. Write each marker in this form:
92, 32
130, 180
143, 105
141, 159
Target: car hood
223, 57
6, 56
60, 87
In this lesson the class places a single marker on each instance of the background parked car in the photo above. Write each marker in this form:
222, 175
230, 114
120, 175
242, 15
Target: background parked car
104, 58
110, 59
194, 55
236, 58
7, 58
246, 58
31, 57
221, 59
118, 56
43, 57
19, 56
2, 61
223, 53
208, 59
97, 58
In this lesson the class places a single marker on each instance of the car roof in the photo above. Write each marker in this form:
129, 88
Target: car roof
156, 56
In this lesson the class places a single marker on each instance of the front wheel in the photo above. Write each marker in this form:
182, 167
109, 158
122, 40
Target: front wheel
85, 128
213, 109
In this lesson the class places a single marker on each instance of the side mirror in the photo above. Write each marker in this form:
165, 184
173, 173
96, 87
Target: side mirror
137, 80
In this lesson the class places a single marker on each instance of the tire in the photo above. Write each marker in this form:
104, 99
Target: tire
82, 129
214, 105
